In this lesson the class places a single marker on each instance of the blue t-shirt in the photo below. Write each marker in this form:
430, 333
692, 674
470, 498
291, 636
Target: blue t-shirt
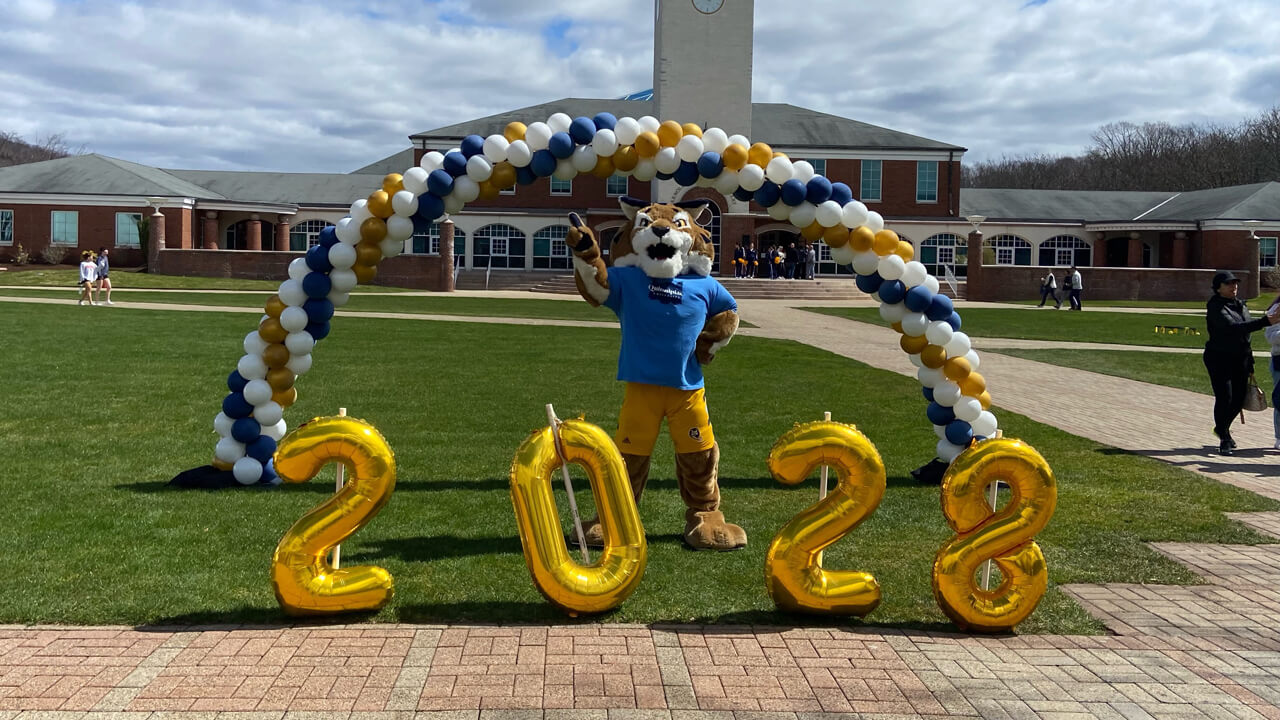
661, 320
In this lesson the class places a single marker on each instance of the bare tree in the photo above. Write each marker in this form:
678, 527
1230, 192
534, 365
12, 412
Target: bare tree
16, 151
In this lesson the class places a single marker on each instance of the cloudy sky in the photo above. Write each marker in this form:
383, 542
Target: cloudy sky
329, 86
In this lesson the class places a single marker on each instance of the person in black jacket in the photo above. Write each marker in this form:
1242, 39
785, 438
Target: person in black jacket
1228, 355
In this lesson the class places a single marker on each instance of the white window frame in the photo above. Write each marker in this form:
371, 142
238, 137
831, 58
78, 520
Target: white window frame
135, 220
920, 166
1006, 246
819, 165
566, 187
1274, 252
508, 191
313, 236
5, 212
613, 178
496, 242
53, 227
879, 180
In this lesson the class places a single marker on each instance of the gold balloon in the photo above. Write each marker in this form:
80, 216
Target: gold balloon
933, 356
647, 144
905, 250
274, 306
669, 133
305, 582
392, 183
973, 384
221, 464
1005, 536
368, 253
812, 231
365, 273
956, 369
885, 242
897, 325
691, 129
913, 345
272, 331
380, 204
373, 230
734, 156
985, 399
836, 236
626, 158
503, 175
514, 131
616, 572
793, 576
281, 379
861, 238
759, 154
276, 355
285, 398
488, 191
604, 167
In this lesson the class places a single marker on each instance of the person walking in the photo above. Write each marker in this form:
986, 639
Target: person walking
104, 277
88, 276
810, 261
1049, 286
1227, 355
1073, 291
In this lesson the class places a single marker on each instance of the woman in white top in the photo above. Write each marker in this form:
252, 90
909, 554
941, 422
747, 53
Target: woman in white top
1273, 337
88, 275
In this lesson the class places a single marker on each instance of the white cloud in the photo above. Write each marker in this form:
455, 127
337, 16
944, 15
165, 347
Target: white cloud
330, 86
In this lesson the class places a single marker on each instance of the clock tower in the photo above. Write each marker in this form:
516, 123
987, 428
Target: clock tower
702, 63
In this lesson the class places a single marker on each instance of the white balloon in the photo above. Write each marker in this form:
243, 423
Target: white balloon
275, 432
667, 160
390, 247
865, 262
947, 451
946, 393
465, 188
536, 136
222, 426
298, 343
704, 182
931, 282
714, 140
939, 333
347, 231
875, 222
940, 431
342, 280
689, 148
299, 364
929, 377
559, 122
626, 130
360, 211
268, 414
985, 425
737, 139
453, 204
751, 177
415, 180
519, 154
778, 170
431, 161
645, 170
914, 274
967, 409
257, 392
892, 313
972, 357
584, 158
958, 344
339, 298
829, 213
247, 471
853, 214
298, 269
253, 342
726, 182
341, 257
803, 215
252, 367
916, 360
399, 229
228, 450
405, 203
649, 123
294, 318
802, 170
779, 211
891, 267
478, 168
565, 170
494, 149
842, 255
291, 292
605, 143
914, 324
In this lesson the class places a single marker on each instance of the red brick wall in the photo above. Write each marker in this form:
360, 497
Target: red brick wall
1232, 250
422, 272
33, 229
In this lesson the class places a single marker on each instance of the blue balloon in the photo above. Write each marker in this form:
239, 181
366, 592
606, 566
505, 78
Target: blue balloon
525, 176
455, 163
928, 393
768, 195
892, 291
954, 321
318, 259
710, 165
236, 383
430, 205
472, 145
235, 406
582, 130
316, 285
743, 194
328, 236
686, 174
246, 430
269, 474
318, 330
605, 121
939, 414
440, 182
260, 449
664, 176
940, 307
869, 283
792, 192
543, 163
318, 309
959, 433
918, 299
841, 193
560, 145
818, 190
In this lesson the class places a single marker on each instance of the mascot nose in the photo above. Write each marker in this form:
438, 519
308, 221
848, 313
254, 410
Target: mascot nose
659, 230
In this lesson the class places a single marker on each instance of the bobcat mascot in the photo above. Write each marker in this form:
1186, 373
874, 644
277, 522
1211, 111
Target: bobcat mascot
674, 319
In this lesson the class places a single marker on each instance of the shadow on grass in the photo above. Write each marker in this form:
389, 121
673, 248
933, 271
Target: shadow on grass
1205, 459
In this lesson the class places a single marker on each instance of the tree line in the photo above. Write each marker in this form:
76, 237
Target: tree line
16, 151
1151, 156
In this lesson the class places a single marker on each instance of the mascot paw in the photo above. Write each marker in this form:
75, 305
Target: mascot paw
708, 530
593, 531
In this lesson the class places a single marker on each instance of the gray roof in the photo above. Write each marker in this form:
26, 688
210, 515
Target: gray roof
774, 123
94, 174
315, 189
397, 163
1260, 201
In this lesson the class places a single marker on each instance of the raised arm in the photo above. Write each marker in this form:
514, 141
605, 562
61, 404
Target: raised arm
589, 272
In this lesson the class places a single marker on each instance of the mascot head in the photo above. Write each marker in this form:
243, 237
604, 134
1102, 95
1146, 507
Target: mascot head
665, 240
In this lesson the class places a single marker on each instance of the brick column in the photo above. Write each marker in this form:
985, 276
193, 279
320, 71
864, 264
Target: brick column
282, 233
974, 281
1134, 259
1100, 250
1181, 250
209, 233
155, 243
445, 283
254, 232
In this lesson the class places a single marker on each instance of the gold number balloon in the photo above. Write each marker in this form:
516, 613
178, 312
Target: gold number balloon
617, 571
1004, 536
305, 582
793, 574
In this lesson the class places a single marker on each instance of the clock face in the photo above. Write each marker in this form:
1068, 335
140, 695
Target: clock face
707, 6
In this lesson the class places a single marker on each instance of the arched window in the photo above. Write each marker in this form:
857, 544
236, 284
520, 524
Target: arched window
945, 251
426, 239
714, 226
1006, 250
549, 248
1065, 251
498, 245
306, 234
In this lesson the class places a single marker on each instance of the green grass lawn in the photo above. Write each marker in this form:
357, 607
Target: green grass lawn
1257, 304
1178, 370
63, 277
102, 409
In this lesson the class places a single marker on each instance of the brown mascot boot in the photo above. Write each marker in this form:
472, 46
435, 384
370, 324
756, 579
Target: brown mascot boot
704, 525
638, 475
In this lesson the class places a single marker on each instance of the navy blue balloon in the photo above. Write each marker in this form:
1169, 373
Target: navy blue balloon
918, 299
605, 121
939, 414
841, 193
318, 259
260, 449
245, 430
328, 236
269, 476
869, 283
560, 145
940, 307
582, 130
316, 285
959, 433
686, 174
792, 192
768, 195
455, 163
440, 182
743, 194
318, 330
928, 393
472, 145
235, 406
525, 176
710, 165
818, 190
954, 321
236, 383
543, 163
892, 291
318, 309
664, 176
430, 206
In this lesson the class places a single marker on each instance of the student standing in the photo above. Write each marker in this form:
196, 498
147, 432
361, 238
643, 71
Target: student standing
1228, 355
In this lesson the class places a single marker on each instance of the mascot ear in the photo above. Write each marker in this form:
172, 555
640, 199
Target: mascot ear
699, 210
630, 206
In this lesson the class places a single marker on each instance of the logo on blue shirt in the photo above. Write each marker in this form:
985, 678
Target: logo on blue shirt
668, 292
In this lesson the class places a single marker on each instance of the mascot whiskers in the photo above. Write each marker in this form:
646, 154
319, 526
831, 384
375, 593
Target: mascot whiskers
674, 318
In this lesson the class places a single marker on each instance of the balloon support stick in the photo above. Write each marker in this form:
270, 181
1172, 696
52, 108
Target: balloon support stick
337, 549
568, 485
822, 479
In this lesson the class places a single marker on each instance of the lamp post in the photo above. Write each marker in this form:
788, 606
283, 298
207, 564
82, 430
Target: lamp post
155, 239
975, 221
1253, 227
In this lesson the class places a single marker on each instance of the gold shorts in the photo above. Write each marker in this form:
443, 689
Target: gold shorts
644, 407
